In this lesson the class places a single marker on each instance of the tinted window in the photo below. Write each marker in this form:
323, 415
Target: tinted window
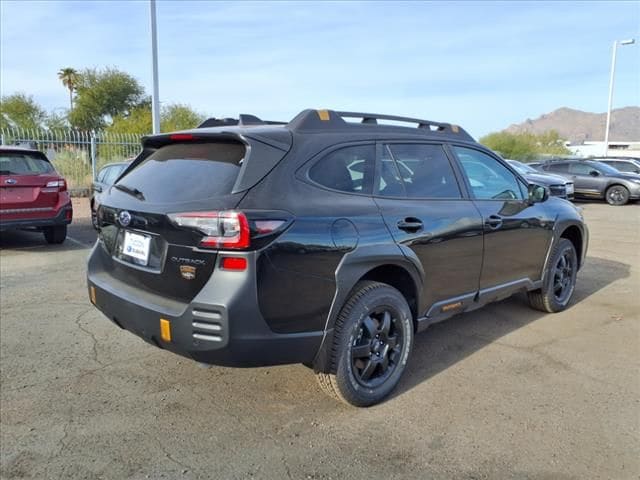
488, 178
425, 171
388, 180
626, 167
348, 169
557, 167
102, 173
15, 163
111, 174
578, 168
186, 172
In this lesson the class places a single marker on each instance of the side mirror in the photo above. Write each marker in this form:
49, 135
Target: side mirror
594, 173
537, 193
97, 188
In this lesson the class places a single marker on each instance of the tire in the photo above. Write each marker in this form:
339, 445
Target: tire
94, 220
55, 234
559, 280
365, 368
617, 195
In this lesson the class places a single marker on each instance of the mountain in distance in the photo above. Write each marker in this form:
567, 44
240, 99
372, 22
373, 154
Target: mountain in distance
578, 127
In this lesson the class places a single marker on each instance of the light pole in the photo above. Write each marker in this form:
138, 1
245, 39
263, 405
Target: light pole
155, 101
630, 41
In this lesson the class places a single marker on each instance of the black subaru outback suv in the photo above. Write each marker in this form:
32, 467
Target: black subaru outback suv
323, 241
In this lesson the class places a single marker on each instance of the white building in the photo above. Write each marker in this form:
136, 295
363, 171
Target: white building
616, 149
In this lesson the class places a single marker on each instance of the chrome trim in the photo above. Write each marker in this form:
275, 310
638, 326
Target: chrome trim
207, 338
207, 326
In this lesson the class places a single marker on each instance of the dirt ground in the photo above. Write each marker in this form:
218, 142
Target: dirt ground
503, 392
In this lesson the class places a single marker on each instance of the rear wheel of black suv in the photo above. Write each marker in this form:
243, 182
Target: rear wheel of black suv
372, 340
559, 281
617, 195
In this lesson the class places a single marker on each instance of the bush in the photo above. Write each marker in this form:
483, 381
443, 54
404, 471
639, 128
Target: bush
525, 146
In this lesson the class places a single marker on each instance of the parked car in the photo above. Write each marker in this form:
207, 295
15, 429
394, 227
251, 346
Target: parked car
597, 180
625, 165
323, 241
32, 194
105, 178
558, 186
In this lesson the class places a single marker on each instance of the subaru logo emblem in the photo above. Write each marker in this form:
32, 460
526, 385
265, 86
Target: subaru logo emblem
124, 218
11, 181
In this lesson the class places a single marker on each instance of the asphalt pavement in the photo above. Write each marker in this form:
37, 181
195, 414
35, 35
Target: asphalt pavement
502, 392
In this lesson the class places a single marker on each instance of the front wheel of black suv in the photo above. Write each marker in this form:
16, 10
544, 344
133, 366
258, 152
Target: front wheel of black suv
55, 234
373, 336
559, 280
617, 195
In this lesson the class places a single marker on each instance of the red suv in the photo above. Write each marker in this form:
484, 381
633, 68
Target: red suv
33, 194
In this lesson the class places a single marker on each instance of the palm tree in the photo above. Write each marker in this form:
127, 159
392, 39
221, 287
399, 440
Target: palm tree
69, 77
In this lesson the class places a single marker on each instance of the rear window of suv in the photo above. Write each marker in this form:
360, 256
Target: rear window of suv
184, 172
17, 163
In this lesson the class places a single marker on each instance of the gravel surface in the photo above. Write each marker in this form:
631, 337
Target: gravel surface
503, 392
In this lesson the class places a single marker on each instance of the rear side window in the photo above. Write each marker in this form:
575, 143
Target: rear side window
557, 167
186, 172
425, 171
580, 168
348, 169
17, 163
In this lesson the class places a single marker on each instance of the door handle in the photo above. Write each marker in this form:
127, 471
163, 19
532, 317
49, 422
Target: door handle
494, 222
410, 224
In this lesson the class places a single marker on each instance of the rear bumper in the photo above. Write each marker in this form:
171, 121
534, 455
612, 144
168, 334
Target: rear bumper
64, 216
221, 326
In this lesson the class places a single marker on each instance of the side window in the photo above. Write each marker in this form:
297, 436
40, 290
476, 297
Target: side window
348, 169
557, 167
388, 179
625, 167
111, 175
425, 171
578, 168
102, 173
488, 178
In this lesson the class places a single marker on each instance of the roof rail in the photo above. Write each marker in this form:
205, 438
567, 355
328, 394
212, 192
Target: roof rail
244, 120
322, 119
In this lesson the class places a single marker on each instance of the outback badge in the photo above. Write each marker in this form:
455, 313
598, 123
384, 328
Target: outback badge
188, 272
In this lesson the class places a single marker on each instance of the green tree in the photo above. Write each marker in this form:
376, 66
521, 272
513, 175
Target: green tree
56, 122
172, 117
21, 110
179, 117
102, 95
525, 146
69, 78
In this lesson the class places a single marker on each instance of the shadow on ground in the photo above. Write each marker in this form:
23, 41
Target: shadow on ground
80, 231
451, 341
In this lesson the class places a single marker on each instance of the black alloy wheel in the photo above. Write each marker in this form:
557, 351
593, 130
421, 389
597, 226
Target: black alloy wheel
376, 350
372, 340
563, 276
559, 281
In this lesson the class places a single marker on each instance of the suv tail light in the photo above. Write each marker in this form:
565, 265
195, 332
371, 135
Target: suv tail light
227, 229
59, 185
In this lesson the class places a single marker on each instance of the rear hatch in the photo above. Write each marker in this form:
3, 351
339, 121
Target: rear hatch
29, 185
154, 218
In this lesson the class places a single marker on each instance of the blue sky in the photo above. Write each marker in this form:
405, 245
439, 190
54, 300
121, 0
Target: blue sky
483, 65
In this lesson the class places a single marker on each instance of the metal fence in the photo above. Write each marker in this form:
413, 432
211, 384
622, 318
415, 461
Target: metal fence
77, 155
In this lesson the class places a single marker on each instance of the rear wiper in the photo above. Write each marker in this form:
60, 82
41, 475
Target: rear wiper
131, 191
7, 172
